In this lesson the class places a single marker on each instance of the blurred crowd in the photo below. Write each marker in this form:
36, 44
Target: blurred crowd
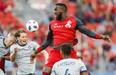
97, 15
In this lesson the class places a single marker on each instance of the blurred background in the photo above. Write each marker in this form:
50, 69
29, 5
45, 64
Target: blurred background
97, 15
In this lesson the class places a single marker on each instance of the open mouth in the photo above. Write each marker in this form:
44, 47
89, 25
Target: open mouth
24, 41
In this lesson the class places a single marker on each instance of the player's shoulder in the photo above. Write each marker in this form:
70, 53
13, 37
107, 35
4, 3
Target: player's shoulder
14, 45
31, 42
2, 37
75, 60
73, 17
64, 61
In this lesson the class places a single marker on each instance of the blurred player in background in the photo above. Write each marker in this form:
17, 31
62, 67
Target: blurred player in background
21, 52
62, 30
68, 66
5, 43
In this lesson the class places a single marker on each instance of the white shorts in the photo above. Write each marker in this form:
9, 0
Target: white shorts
1, 72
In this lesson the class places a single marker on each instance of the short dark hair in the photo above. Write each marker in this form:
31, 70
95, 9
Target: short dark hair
66, 49
62, 5
17, 34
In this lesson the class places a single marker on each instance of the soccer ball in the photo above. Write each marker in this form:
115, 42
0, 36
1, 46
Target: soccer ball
32, 25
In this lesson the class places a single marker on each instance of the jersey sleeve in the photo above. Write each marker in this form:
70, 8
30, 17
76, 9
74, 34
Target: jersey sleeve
82, 67
83, 29
48, 40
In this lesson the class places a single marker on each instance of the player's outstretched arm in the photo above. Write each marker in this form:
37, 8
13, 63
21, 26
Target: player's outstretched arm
86, 31
45, 53
45, 44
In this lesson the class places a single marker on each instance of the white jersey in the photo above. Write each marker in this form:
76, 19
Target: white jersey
68, 66
3, 49
23, 57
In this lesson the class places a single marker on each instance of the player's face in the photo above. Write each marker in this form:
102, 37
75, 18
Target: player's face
58, 12
9, 40
22, 40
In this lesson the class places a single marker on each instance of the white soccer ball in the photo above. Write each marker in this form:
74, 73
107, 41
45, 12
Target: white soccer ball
32, 25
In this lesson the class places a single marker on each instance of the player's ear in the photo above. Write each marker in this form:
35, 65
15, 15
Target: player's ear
63, 10
61, 52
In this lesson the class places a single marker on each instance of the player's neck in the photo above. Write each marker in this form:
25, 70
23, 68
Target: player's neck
21, 44
64, 17
66, 57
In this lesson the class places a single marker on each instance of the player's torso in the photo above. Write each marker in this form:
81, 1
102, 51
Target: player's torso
63, 30
67, 67
24, 51
23, 58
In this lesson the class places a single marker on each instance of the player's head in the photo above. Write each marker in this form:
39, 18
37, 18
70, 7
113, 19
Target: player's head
21, 37
66, 49
59, 10
9, 39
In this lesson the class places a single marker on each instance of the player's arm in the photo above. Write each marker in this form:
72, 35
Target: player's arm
83, 69
45, 53
80, 26
7, 57
13, 55
47, 42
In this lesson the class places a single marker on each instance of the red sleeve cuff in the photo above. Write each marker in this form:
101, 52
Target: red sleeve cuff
39, 49
97, 36
75, 42
7, 55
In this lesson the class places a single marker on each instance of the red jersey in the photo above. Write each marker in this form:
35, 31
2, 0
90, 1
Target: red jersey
63, 31
2, 62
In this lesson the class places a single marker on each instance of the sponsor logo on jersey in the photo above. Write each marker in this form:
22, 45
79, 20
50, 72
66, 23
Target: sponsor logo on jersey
68, 25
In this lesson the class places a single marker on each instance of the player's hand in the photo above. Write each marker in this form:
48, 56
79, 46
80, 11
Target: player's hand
105, 37
32, 57
16, 49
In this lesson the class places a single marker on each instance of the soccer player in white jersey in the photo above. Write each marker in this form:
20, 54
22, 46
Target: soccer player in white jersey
68, 66
21, 52
5, 43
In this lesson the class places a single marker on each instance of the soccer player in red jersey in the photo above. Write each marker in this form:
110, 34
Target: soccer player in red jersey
62, 30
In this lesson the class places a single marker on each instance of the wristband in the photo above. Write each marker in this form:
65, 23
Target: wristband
75, 42
97, 36
39, 49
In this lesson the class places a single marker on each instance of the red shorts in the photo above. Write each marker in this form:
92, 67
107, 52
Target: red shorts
56, 56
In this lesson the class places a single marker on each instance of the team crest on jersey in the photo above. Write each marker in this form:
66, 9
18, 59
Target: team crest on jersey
29, 47
68, 25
